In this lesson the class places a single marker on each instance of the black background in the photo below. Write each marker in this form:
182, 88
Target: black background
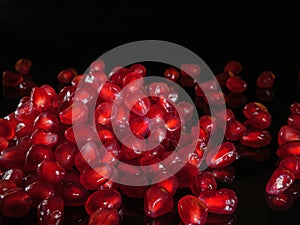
61, 34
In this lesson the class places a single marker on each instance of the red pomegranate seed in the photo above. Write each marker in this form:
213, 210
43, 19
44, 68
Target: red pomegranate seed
75, 113
256, 138
97, 65
258, 115
85, 133
103, 113
110, 92
84, 95
7, 129
137, 103
50, 171
43, 137
294, 121
92, 179
223, 157
13, 157
47, 121
133, 82
222, 78
234, 130
209, 123
223, 202
66, 76
186, 174
192, 70
171, 184
65, 154
291, 163
15, 203
105, 217
215, 98
140, 126
23, 130
73, 194
233, 67
279, 203
192, 210
203, 183
117, 75
236, 85
105, 134
76, 80
132, 148
289, 148
35, 155
138, 68
65, 96
171, 74
51, 211
265, 80
30, 178
40, 98
295, 108
11, 79
6, 185
3, 143
14, 175
88, 155
280, 181
103, 199
287, 133
224, 175
38, 191
205, 87
157, 202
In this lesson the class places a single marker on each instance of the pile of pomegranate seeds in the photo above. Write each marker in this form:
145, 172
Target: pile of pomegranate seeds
42, 167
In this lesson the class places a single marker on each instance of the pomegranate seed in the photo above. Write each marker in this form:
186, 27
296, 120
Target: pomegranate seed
223, 202
171, 184
192, 70
103, 199
14, 175
91, 179
85, 133
290, 163
50, 171
157, 202
7, 129
51, 211
236, 85
140, 126
103, 113
171, 74
40, 98
203, 183
30, 178
209, 123
186, 110
192, 210
117, 75
15, 203
138, 68
75, 113
186, 174
3, 143
88, 155
97, 65
23, 66
258, 115
84, 95
287, 133
66, 76
105, 217
279, 203
233, 67
65, 154
109, 92
6, 185
294, 121
13, 157
222, 78
43, 137
224, 157
133, 82
224, 175
73, 194
137, 103
11, 79
256, 138
132, 148
289, 148
295, 108
46, 121
205, 87
76, 80
35, 155
280, 181
265, 80
215, 98
234, 130
38, 191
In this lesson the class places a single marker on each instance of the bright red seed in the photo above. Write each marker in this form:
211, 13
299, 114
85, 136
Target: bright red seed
258, 115
171, 184
105, 217
50, 171
43, 137
287, 133
291, 163
66, 76
279, 203
47, 121
294, 121
38, 191
75, 113
138, 68
65, 154
280, 181
92, 179
103, 113
224, 156
234, 130
51, 211
40, 98
203, 183
109, 92
256, 138
133, 82
236, 85
209, 123
289, 148
11, 79
265, 80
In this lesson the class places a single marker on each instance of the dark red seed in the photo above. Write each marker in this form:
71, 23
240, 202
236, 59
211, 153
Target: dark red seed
192, 210
287, 133
256, 138
186, 174
234, 67
109, 92
294, 121
140, 126
11, 79
295, 108
234, 130
280, 181
291, 163
192, 70
279, 203
38, 191
65, 154
66, 76
43, 137
73, 194
35, 155
6, 129
13, 157
171, 74
50, 171
14, 175
47, 121
265, 80
23, 66
3, 143
203, 183
51, 211
105, 217
265, 94
6, 185
258, 115
138, 68
224, 175
236, 85
92, 179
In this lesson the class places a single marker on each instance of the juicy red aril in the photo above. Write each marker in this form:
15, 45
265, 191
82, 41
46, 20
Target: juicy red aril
203, 183
280, 181
109, 92
171, 185
47, 121
291, 163
294, 121
289, 148
50, 171
157, 202
105, 217
6, 185
233, 67
10, 79
265, 80
105, 134
73, 194
234, 130
139, 69
223, 174
236, 85
256, 138
35, 155
88, 155
40, 98
222, 156
287, 133
24, 129
133, 82
14, 175
43, 137
171, 74
65, 154
98, 65
209, 123
13, 157
66, 76
85, 133
15, 203
140, 126
258, 115
6, 129
75, 113
103, 199
132, 148
192, 70
295, 108
38, 191
117, 74
51, 211
103, 113
223, 202
92, 179
279, 203
137, 103
192, 210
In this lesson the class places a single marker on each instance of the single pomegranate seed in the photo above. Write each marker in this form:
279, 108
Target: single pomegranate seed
51, 211
203, 183
3, 143
103, 199
133, 82
73, 194
11, 79
7, 129
15, 203
75, 113
192, 210
291, 163
105, 217
171, 74
76, 80
103, 113
209, 123
258, 115
38, 191
40, 98
171, 184
186, 110
117, 75
234, 67
43, 137
97, 65
287, 133
157, 202
132, 148
295, 108
265, 80
223, 202
88, 155
91, 179
186, 174
289, 148
280, 181
23, 66
279, 203
192, 70
46, 121
66, 95
13, 157
6, 185
224, 175
236, 85
65, 154
138, 68
66, 76
225, 155
140, 126
24, 129
234, 130
50, 171
85, 133
205, 87
105, 134
14, 175
109, 92
137, 103
256, 138
294, 121
35, 155
222, 78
